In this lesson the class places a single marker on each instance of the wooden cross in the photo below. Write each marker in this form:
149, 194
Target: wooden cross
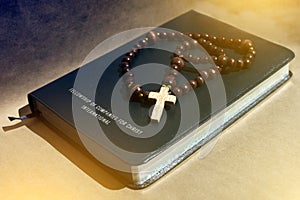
161, 97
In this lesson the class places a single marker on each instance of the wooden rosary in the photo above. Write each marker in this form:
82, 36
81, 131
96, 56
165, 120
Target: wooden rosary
212, 44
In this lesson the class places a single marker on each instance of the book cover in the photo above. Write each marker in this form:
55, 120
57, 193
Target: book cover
89, 106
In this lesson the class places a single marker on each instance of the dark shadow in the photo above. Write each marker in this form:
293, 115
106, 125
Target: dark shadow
79, 156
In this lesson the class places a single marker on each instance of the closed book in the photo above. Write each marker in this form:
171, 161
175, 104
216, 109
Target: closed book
90, 107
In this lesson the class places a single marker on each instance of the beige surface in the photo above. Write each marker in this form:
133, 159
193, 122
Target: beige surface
256, 158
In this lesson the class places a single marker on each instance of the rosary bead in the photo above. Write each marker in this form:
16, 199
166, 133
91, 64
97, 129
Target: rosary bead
127, 59
204, 60
186, 88
220, 51
253, 52
230, 42
249, 56
239, 63
189, 34
143, 43
211, 49
219, 68
204, 74
178, 61
163, 35
135, 50
125, 70
181, 48
231, 62
124, 65
199, 80
138, 46
170, 80
136, 90
196, 35
195, 43
129, 81
189, 57
173, 72
177, 52
130, 54
212, 38
177, 91
213, 72
186, 45
221, 40
214, 58
222, 59
247, 62
237, 42
128, 75
174, 66
246, 44
214, 49
196, 59
193, 83
201, 41
205, 36
173, 35
151, 37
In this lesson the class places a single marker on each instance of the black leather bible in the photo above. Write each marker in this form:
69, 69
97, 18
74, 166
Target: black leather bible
82, 105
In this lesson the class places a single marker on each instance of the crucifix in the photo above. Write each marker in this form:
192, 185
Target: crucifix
161, 97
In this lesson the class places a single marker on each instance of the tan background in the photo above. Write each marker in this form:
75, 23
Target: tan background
256, 158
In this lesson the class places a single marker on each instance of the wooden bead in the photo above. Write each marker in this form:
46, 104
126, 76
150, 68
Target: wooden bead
205, 36
151, 37
177, 53
222, 60
221, 41
196, 60
247, 62
204, 75
204, 59
189, 34
143, 43
196, 35
195, 43
213, 72
186, 45
135, 50
199, 80
175, 66
201, 40
131, 54
246, 44
173, 72
129, 80
186, 88
249, 56
212, 38
136, 91
231, 62
214, 58
219, 68
193, 83
127, 59
237, 42
163, 35
178, 61
124, 65
170, 80
177, 91
239, 63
